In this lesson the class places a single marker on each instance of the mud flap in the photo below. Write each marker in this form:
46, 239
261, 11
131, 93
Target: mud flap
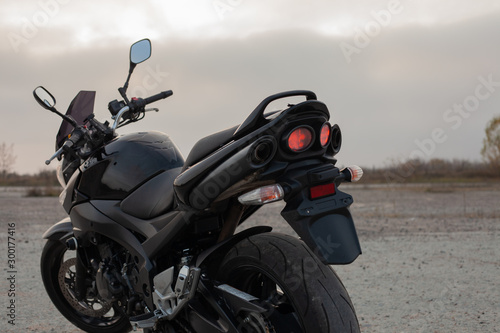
325, 225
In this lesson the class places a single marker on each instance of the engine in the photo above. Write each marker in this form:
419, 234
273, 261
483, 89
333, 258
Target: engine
114, 275
109, 282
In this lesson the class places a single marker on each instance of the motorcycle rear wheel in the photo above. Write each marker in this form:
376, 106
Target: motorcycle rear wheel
91, 315
301, 293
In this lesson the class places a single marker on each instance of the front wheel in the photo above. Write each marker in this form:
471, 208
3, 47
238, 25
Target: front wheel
300, 293
91, 314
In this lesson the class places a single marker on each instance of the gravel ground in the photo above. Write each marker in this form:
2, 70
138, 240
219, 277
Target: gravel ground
429, 264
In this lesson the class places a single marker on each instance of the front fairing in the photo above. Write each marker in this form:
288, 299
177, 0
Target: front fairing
80, 108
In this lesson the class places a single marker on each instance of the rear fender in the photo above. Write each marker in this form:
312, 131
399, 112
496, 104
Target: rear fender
61, 230
325, 225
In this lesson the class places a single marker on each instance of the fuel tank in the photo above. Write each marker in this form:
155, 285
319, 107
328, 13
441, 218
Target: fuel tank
127, 162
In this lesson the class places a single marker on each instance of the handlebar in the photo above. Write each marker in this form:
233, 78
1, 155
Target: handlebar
119, 116
157, 97
137, 104
135, 107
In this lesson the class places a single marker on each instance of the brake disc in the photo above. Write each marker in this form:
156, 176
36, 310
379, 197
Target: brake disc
91, 306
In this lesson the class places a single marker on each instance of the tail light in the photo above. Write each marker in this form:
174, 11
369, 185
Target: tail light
262, 195
322, 190
324, 136
300, 139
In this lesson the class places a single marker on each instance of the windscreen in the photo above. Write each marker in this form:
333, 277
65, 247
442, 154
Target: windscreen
80, 108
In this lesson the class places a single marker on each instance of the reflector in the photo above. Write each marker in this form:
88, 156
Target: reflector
322, 190
300, 139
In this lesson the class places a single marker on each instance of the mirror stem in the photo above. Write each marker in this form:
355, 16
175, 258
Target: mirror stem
69, 119
123, 93
123, 90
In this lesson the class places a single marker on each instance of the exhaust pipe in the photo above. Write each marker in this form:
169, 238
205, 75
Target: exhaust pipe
336, 139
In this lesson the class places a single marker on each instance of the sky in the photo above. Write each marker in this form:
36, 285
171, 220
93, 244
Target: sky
402, 78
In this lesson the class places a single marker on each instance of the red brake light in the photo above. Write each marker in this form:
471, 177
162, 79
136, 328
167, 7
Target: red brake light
322, 190
324, 136
300, 139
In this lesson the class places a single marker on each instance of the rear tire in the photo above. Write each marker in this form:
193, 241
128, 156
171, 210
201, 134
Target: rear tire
304, 295
56, 266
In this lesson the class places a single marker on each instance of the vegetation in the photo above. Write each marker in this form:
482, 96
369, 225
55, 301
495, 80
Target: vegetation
413, 171
46, 191
432, 171
491, 143
7, 159
42, 178
45, 183
42, 184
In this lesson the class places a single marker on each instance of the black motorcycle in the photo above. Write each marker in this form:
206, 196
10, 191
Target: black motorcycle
150, 239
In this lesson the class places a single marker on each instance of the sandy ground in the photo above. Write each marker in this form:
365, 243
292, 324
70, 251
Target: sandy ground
430, 258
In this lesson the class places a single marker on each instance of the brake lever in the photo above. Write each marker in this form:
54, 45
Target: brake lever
70, 142
56, 154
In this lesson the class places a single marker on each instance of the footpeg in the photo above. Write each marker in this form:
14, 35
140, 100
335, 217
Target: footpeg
146, 320
169, 301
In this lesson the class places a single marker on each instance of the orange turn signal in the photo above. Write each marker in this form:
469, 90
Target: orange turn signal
262, 195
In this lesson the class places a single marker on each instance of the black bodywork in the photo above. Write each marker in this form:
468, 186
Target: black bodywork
138, 191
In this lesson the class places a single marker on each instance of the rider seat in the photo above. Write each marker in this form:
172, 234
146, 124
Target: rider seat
208, 145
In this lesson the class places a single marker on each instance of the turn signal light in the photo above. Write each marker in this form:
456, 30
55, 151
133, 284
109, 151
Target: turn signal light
322, 190
324, 135
300, 139
262, 195
352, 173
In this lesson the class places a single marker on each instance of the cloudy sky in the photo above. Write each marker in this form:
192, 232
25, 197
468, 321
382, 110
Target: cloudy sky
402, 78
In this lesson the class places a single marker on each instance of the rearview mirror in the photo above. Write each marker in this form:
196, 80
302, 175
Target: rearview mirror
140, 51
44, 98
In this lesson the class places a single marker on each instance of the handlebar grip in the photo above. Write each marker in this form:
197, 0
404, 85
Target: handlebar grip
157, 97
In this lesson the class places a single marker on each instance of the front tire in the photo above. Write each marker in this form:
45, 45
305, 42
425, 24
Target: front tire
300, 292
91, 315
